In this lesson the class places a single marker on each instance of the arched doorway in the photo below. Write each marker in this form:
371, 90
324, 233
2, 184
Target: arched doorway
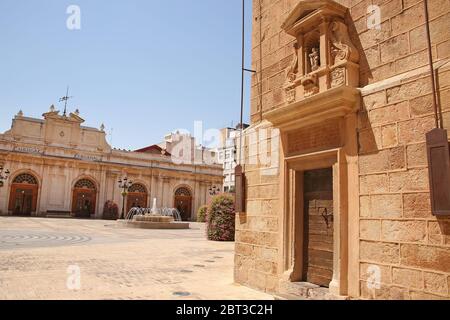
84, 198
137, 197
183, 202
24, 194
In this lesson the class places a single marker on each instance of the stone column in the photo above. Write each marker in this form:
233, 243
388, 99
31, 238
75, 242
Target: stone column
301, 55
324, 53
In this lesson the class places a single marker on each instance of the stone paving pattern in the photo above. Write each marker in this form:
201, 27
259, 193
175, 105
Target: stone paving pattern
115, 263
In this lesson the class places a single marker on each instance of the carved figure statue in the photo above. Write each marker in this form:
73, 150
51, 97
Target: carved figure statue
314, 58
293, 69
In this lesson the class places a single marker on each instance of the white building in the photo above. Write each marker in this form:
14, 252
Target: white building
227, 155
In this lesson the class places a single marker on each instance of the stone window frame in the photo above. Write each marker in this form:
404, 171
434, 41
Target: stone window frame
138, 188
85, 183
25, 178
343, 160
183, 191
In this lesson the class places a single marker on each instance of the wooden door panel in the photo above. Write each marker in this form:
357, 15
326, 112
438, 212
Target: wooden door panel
184, 205
136, 200
23, 199
318, 233
84, 203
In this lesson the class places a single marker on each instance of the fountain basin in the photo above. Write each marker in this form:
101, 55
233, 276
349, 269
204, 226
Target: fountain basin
153, 222
153, 218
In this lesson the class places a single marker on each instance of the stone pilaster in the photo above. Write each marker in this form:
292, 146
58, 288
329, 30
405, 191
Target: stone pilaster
102, 195
166, 192
153, 189
159, 192
43, 192
196, 200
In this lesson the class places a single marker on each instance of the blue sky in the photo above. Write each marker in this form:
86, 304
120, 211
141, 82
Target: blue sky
141, 67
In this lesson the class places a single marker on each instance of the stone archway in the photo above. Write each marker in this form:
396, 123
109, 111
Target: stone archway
137, 196
183, 202
24, 195
84, 198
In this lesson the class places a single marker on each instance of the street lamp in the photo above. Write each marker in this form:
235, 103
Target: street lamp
124, 184
214, 190
4, 174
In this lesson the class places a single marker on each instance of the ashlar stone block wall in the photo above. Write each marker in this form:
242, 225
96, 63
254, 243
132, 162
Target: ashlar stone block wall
398, 233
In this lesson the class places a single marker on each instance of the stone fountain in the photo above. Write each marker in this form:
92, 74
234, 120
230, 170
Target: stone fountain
153, 218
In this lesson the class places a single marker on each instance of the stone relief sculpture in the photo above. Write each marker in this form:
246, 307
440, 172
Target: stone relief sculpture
293, 69
342, 49
310, 85
337, 77
291, 76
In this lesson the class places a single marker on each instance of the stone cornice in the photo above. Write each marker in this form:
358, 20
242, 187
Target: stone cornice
308, 12
333, 103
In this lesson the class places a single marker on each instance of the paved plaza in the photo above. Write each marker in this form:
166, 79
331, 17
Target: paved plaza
39, 259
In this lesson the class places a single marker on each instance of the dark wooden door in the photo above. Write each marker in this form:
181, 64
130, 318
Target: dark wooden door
84, 202
23, 199
184, 206
136, 200
318, 234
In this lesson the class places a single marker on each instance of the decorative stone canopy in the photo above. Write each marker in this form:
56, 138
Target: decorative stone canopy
324, 59
307, 12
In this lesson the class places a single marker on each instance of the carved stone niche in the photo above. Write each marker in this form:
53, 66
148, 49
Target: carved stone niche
324, 55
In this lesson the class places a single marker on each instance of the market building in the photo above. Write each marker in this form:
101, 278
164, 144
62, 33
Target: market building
60, 168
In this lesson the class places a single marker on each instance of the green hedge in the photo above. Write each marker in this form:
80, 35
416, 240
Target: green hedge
221, 218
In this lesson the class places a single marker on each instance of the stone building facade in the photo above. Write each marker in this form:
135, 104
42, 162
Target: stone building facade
343, 207
59, 167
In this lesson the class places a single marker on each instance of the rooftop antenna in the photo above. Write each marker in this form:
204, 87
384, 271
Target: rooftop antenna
65, 98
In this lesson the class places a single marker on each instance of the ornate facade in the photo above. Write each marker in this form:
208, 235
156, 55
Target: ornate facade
344, 211
61, 168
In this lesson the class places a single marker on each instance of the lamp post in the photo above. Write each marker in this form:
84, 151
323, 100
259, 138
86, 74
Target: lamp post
214, 190
124, 184
4, 174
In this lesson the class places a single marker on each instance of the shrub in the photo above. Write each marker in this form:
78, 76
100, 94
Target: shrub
221, 218
201, 214
110, 211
